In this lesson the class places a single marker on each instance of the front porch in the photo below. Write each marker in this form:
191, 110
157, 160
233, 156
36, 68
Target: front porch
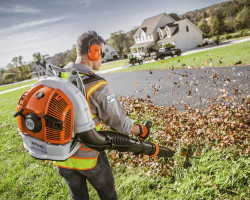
141, 49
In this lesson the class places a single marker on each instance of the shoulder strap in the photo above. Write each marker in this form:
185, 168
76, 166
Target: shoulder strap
91, 77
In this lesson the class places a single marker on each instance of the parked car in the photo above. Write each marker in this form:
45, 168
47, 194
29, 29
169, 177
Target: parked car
167, 51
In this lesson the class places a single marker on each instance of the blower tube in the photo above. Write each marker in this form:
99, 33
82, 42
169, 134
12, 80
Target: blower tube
102, 140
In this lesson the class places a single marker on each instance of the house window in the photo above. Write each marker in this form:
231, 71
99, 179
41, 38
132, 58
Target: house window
160, 34
187, 29
168, 33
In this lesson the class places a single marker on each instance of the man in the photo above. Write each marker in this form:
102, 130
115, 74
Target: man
86, 163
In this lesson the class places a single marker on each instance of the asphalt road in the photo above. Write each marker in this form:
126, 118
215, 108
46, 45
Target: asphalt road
195, 87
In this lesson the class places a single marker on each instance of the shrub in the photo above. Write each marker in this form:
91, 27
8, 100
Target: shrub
228, 36
125, 56
217, 39
244, 33
168, 45
134, 50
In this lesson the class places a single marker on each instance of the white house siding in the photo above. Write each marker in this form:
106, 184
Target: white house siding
172, 30
142, 37
110, 53
188, 40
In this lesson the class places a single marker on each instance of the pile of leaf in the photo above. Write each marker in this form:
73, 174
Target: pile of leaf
188, 132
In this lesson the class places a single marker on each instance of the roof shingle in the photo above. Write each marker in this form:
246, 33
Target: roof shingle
149, 24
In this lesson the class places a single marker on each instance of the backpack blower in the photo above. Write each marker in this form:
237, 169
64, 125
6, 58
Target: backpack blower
54, 118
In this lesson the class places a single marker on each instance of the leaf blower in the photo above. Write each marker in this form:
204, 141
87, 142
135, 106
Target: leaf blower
54, 119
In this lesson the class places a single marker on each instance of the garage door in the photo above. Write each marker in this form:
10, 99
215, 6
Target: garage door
186, 44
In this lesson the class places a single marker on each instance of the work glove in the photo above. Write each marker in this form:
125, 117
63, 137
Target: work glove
144, 130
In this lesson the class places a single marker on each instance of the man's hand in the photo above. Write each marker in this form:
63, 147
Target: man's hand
144, 130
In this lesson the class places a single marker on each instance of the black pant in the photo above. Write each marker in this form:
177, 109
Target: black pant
100, 177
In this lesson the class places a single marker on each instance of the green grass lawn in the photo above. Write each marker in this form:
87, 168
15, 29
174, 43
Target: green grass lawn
8, 87
224, 56
118, 63
214, 173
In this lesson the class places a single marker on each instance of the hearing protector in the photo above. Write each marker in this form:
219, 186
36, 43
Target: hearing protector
94, 51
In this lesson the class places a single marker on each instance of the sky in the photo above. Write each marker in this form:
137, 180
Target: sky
52, 26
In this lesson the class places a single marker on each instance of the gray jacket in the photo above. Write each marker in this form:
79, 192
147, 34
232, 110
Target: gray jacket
106, 106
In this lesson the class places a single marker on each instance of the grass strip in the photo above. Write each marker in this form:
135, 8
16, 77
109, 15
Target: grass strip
111, 65
8, 87
224, 56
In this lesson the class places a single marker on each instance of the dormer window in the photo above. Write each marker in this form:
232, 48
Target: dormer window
168, 32
140, 34
160, 34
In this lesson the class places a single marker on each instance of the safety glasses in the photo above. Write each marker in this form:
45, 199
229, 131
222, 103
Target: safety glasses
103, 54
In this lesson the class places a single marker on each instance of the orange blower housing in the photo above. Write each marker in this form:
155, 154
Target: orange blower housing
50, 115
46, 114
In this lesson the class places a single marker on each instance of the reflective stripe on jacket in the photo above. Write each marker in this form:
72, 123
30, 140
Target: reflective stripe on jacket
85, 158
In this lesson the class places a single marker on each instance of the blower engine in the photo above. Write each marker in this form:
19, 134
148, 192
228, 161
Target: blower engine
54, 118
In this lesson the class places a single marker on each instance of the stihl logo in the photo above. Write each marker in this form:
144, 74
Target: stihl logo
30, 124
37, 145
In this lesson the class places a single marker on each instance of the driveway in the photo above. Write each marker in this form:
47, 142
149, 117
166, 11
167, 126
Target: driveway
195, 87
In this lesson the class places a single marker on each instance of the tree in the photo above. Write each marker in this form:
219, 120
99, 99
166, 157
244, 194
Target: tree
243, 18
11, 75
217, 26
118, 41
17, 61
129, 41
230, 24
62, 59
9, 65
37, 56
71, 56
203, 25
2, 70
25, 71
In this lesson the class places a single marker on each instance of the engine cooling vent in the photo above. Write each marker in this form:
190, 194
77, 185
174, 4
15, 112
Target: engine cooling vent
68, 125
58, 119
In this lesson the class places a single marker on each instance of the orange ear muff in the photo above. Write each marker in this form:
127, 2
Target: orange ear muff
94, 52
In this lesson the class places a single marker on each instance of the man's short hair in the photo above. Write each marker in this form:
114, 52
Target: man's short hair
82, 44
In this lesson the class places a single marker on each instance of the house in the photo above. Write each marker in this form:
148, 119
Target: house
111, 53
39, 67
164, 29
